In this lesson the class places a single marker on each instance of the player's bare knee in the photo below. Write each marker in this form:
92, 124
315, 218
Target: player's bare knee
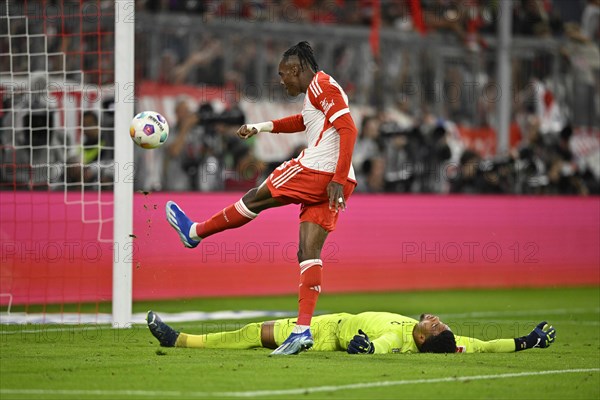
308, 253
249, 196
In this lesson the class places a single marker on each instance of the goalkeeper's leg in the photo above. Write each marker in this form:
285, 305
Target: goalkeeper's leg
247, 337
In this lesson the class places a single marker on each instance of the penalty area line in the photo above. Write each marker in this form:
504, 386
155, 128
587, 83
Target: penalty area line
284, 392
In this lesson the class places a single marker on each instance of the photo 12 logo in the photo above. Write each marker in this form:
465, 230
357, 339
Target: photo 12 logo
66, 252
470, 252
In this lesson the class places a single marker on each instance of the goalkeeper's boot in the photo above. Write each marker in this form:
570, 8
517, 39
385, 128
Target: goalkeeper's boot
295, 343
166, 335
181, 223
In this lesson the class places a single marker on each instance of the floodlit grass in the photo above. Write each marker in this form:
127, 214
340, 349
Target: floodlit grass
97, 362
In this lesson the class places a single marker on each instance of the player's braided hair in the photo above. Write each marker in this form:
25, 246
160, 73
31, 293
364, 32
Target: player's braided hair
304, 53
441, 343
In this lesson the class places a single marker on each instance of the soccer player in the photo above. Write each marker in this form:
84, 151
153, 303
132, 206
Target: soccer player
367, 333
321, 179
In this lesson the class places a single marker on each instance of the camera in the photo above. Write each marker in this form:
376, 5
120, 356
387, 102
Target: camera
207, 116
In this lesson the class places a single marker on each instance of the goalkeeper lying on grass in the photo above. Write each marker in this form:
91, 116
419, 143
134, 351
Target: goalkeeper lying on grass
368, 332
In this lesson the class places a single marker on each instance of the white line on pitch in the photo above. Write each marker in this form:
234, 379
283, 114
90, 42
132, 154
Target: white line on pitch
92, 327
287, 392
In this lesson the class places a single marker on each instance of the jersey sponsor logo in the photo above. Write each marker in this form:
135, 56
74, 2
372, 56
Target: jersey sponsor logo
326, 106
461, 349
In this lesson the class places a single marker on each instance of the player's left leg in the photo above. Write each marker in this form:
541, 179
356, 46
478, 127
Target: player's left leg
312, 239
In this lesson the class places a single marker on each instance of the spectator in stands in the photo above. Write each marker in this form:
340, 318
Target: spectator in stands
243, 170
476, 176
433, 153
399, 156
90, 164
396, 14
28, 142
325, 12
182, 149
187, 6
205, 65
590, 21
461, 18
168, 71
367, 156
563, 173
584, 63
544, 164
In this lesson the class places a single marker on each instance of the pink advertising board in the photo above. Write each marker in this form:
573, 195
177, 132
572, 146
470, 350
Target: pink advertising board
382, 243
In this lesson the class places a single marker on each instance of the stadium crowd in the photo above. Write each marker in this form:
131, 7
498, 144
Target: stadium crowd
405, 144
395, 153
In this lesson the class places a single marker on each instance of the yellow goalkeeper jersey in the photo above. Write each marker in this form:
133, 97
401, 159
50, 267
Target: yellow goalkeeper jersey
389, 332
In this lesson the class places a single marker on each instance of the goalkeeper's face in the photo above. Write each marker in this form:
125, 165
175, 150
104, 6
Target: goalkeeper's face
430, 325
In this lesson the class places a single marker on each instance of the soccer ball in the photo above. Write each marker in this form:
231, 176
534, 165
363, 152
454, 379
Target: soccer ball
149, 130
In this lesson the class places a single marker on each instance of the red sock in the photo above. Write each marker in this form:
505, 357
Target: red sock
232, 216
310, 287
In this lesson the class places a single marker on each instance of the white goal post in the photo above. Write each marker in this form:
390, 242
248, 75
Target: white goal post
124, 167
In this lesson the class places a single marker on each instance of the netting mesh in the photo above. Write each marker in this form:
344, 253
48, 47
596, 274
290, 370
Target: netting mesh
56, 151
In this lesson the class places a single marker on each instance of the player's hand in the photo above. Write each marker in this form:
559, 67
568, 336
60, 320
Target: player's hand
246, 131
335, 192
361, 344
542, 336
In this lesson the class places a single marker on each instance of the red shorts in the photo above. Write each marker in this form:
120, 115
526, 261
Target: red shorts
291, 182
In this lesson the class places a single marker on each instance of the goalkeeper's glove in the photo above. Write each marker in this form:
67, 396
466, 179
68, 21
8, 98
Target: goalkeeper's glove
361, 344
542, 336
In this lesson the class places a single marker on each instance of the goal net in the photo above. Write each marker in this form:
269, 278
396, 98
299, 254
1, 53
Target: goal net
57, 161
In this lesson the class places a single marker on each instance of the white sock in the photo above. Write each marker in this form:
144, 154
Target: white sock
193, 233
300, 328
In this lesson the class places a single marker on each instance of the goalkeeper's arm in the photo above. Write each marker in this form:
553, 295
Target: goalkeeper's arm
542, 336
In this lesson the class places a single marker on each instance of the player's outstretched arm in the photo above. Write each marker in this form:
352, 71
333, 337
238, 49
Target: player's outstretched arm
248, 130
543, 335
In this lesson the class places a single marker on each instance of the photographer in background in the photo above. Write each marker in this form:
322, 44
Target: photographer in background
199, 147
478, 176
182, 151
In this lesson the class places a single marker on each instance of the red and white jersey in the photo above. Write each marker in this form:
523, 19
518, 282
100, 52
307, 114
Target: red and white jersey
325, 102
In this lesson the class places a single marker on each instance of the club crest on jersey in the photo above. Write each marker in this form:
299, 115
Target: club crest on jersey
326, 106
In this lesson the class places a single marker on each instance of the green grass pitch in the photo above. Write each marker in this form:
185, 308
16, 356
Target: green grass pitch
97, 362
